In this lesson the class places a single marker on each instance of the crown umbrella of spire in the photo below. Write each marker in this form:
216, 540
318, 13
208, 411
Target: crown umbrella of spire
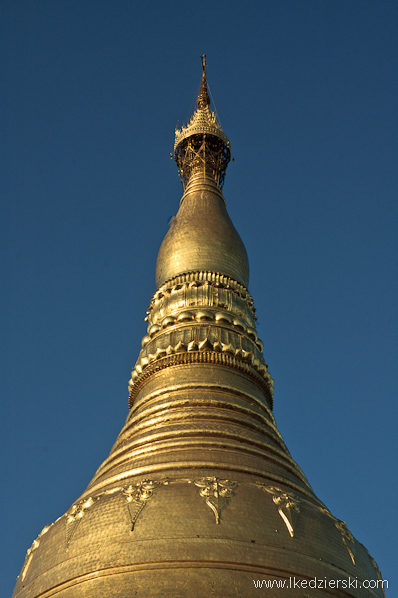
202, 145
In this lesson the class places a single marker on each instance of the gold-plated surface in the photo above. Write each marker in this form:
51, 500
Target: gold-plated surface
199, 495
188, 529
202, 237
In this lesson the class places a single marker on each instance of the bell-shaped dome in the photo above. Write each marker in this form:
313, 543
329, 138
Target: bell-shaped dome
202, 236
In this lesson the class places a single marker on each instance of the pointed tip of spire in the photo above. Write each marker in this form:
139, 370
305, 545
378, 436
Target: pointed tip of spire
203, 100
204, 65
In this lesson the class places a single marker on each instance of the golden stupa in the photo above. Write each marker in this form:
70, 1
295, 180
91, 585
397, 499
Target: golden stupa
199, 496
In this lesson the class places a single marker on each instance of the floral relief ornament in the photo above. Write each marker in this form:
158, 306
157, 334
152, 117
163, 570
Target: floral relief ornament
217, 493
75, 515
137, 496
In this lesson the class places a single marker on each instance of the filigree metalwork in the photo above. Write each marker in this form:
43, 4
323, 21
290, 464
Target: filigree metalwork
202, 151
137, 496
286, 504
216, 493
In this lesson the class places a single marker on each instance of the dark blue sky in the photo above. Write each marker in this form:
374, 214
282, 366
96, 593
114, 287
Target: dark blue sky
307, 92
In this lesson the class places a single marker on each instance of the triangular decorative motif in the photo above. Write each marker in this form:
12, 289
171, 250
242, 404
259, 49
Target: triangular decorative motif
217, 493
286, 504
137, 496
75, 515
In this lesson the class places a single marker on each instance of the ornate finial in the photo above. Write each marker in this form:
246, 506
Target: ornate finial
203, 98
202, 144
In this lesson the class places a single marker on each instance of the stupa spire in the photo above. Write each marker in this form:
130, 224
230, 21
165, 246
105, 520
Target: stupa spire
199, 495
